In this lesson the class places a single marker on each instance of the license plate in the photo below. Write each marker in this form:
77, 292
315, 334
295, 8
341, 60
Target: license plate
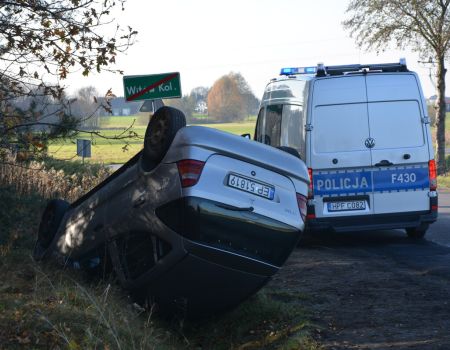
251, 186
346, 206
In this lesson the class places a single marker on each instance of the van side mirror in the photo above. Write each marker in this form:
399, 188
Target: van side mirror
247, 136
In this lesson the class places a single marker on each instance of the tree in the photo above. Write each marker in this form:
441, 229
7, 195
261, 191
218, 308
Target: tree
41, 42
226, 99
423, 25
86, 106
199, 94
186, 104
250, 100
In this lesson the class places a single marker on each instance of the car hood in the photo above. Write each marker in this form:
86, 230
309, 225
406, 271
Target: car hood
197, 142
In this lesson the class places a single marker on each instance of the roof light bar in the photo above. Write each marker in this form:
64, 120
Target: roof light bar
298, 70
322, 70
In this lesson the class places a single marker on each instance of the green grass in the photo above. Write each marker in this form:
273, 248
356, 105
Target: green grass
111, 151
234, 128
122, 121
444, 182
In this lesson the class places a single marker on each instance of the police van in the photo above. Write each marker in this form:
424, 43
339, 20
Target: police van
364, 133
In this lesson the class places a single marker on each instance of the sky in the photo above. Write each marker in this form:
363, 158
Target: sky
206, 39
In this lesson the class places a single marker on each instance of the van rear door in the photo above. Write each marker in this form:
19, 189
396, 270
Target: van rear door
400, 152
339, 159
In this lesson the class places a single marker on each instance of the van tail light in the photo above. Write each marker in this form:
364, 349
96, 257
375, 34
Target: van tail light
190, 171
301, 201
311, 188
433, 174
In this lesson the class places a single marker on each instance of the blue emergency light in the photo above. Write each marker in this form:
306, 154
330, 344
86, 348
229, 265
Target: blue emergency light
298, 70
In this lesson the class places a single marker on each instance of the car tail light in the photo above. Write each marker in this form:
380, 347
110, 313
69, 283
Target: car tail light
190, 171
311, 188
433, 174
301, 201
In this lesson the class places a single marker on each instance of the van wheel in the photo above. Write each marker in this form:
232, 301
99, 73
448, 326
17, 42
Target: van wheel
161, 131
50, 221
290, 150
417, 232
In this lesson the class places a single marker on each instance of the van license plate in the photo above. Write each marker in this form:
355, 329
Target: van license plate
251, 186
346, 206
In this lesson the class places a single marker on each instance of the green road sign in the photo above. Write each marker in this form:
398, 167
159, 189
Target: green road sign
149, 87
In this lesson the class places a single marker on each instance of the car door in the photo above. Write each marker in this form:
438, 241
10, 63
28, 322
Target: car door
399, 151
339, 158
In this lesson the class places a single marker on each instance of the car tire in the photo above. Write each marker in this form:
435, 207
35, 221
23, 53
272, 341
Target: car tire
417, 232
290, 150
48, 227
161, 131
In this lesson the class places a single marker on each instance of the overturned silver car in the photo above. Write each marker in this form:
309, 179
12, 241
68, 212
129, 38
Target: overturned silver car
197, 221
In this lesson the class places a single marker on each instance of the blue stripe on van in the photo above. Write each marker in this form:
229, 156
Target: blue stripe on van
366, 181
401, 179
342, 183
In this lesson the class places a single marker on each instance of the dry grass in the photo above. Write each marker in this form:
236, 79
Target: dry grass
48, 183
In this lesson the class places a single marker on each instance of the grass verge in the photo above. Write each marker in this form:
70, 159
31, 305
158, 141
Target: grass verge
444, 182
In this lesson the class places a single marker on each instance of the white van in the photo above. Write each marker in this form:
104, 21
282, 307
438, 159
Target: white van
364, 133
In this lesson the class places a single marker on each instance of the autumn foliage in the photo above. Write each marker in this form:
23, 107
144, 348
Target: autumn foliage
226, 101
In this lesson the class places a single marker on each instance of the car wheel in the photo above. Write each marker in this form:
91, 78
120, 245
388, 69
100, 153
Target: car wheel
417, 232
161, 131
50, 221
289, 150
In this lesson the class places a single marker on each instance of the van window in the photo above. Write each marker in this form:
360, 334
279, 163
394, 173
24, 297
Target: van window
396, 124
340, 128
294, 89
282, 125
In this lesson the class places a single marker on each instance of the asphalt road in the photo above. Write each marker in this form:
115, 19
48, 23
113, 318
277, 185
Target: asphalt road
439, 232
433, 252
376, 290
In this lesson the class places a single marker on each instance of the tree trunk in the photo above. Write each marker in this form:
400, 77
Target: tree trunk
440, 115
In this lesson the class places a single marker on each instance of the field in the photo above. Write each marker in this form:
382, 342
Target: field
113, 151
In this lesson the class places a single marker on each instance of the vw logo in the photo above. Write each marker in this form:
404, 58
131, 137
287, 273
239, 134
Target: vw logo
370, 142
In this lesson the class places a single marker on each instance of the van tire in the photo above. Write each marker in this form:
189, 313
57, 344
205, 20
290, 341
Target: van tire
161, 131
290, 150
48, 227
417, 232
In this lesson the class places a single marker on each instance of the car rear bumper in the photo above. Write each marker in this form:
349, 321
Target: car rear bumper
221, 226
373, 222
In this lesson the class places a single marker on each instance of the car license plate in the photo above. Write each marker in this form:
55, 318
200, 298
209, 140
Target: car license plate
251, 186
346, 206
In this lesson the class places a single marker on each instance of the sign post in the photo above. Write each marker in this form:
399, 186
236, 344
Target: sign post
149, 87
83, 148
